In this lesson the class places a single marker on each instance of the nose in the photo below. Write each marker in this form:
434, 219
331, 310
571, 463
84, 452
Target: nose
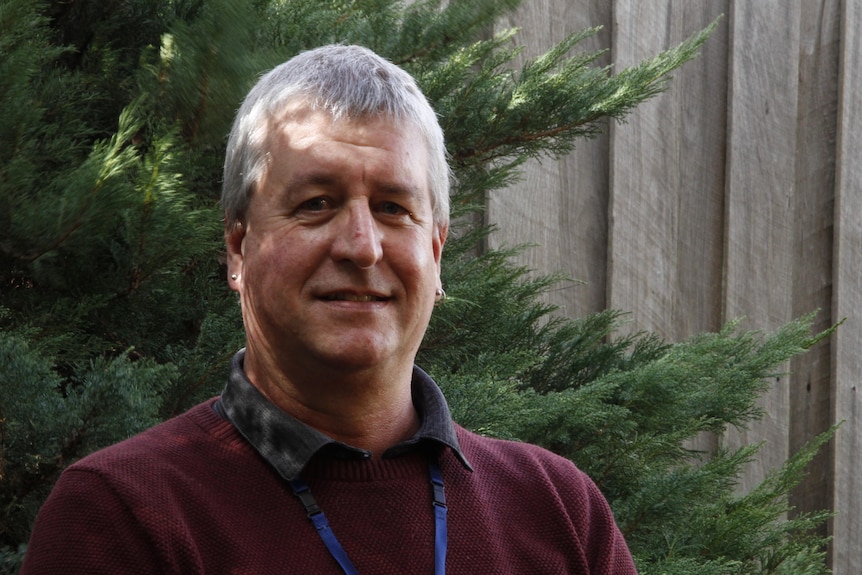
357, 238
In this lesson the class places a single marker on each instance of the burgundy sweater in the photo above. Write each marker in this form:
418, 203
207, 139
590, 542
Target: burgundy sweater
192, 496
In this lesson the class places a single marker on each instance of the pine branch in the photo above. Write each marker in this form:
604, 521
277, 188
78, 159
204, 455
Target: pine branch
554, 101
108, 162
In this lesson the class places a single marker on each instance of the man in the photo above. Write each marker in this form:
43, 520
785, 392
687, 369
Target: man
328, 451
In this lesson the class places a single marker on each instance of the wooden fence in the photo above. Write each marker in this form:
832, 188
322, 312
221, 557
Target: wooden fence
737, 193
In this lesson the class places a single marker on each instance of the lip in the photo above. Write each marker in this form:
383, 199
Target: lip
353, 296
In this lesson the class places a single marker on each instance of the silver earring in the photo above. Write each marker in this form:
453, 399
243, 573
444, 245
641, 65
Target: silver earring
234, 277
440, 294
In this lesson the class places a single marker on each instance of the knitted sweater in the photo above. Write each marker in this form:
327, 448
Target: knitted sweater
191, 496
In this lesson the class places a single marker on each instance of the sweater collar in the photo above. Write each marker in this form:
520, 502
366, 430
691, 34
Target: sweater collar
288, 444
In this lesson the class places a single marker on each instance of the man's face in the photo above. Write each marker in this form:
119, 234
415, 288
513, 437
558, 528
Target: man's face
338, 256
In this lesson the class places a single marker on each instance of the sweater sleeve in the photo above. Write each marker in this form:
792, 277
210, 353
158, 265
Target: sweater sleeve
85, 528
603, 542
549, 513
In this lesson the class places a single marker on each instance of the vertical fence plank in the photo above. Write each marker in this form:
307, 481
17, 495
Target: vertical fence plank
666, 185
644, 180
760, 197
667, 189
847, 293
560, 206
810, 378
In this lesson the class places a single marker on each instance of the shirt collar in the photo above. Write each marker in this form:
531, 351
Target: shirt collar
288, 444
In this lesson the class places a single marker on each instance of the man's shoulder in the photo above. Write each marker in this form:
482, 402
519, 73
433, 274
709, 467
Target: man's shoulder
185, 436
509, 456
522, 478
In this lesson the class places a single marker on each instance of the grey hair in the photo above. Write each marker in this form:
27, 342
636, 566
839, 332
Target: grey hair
349, 82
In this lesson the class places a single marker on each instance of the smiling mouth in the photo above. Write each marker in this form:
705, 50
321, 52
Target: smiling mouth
353, 297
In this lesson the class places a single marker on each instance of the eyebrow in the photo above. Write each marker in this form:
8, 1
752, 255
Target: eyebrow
328, 180
401, 190
324, 180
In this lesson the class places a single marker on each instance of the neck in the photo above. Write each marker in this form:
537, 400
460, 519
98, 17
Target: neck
364, 409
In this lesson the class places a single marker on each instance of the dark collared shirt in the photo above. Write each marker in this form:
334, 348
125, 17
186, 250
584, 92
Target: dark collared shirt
288, 444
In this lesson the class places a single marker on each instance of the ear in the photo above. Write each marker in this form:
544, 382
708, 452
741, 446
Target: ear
233, 239
438, 239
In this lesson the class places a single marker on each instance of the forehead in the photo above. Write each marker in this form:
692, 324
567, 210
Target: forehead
298, 122
302, 140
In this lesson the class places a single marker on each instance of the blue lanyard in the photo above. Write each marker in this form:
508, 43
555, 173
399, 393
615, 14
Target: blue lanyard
318, 519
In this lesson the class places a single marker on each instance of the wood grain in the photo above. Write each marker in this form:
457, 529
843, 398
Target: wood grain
847, 302
810, 378
561, 206
737, 193
667, 190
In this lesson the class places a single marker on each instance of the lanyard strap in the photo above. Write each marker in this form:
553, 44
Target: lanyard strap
321, 524
441, 532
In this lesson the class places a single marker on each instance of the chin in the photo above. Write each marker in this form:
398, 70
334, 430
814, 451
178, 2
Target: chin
357, 356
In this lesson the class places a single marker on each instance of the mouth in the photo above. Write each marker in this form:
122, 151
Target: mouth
354, 297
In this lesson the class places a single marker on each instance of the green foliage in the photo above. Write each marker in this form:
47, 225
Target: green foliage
48, 420
626, 410
116, 314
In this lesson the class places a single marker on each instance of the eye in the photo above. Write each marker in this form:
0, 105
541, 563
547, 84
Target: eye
393, 209
318, 204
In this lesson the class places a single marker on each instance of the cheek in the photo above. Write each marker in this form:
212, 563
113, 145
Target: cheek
267, 262
279, 249
421, 266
